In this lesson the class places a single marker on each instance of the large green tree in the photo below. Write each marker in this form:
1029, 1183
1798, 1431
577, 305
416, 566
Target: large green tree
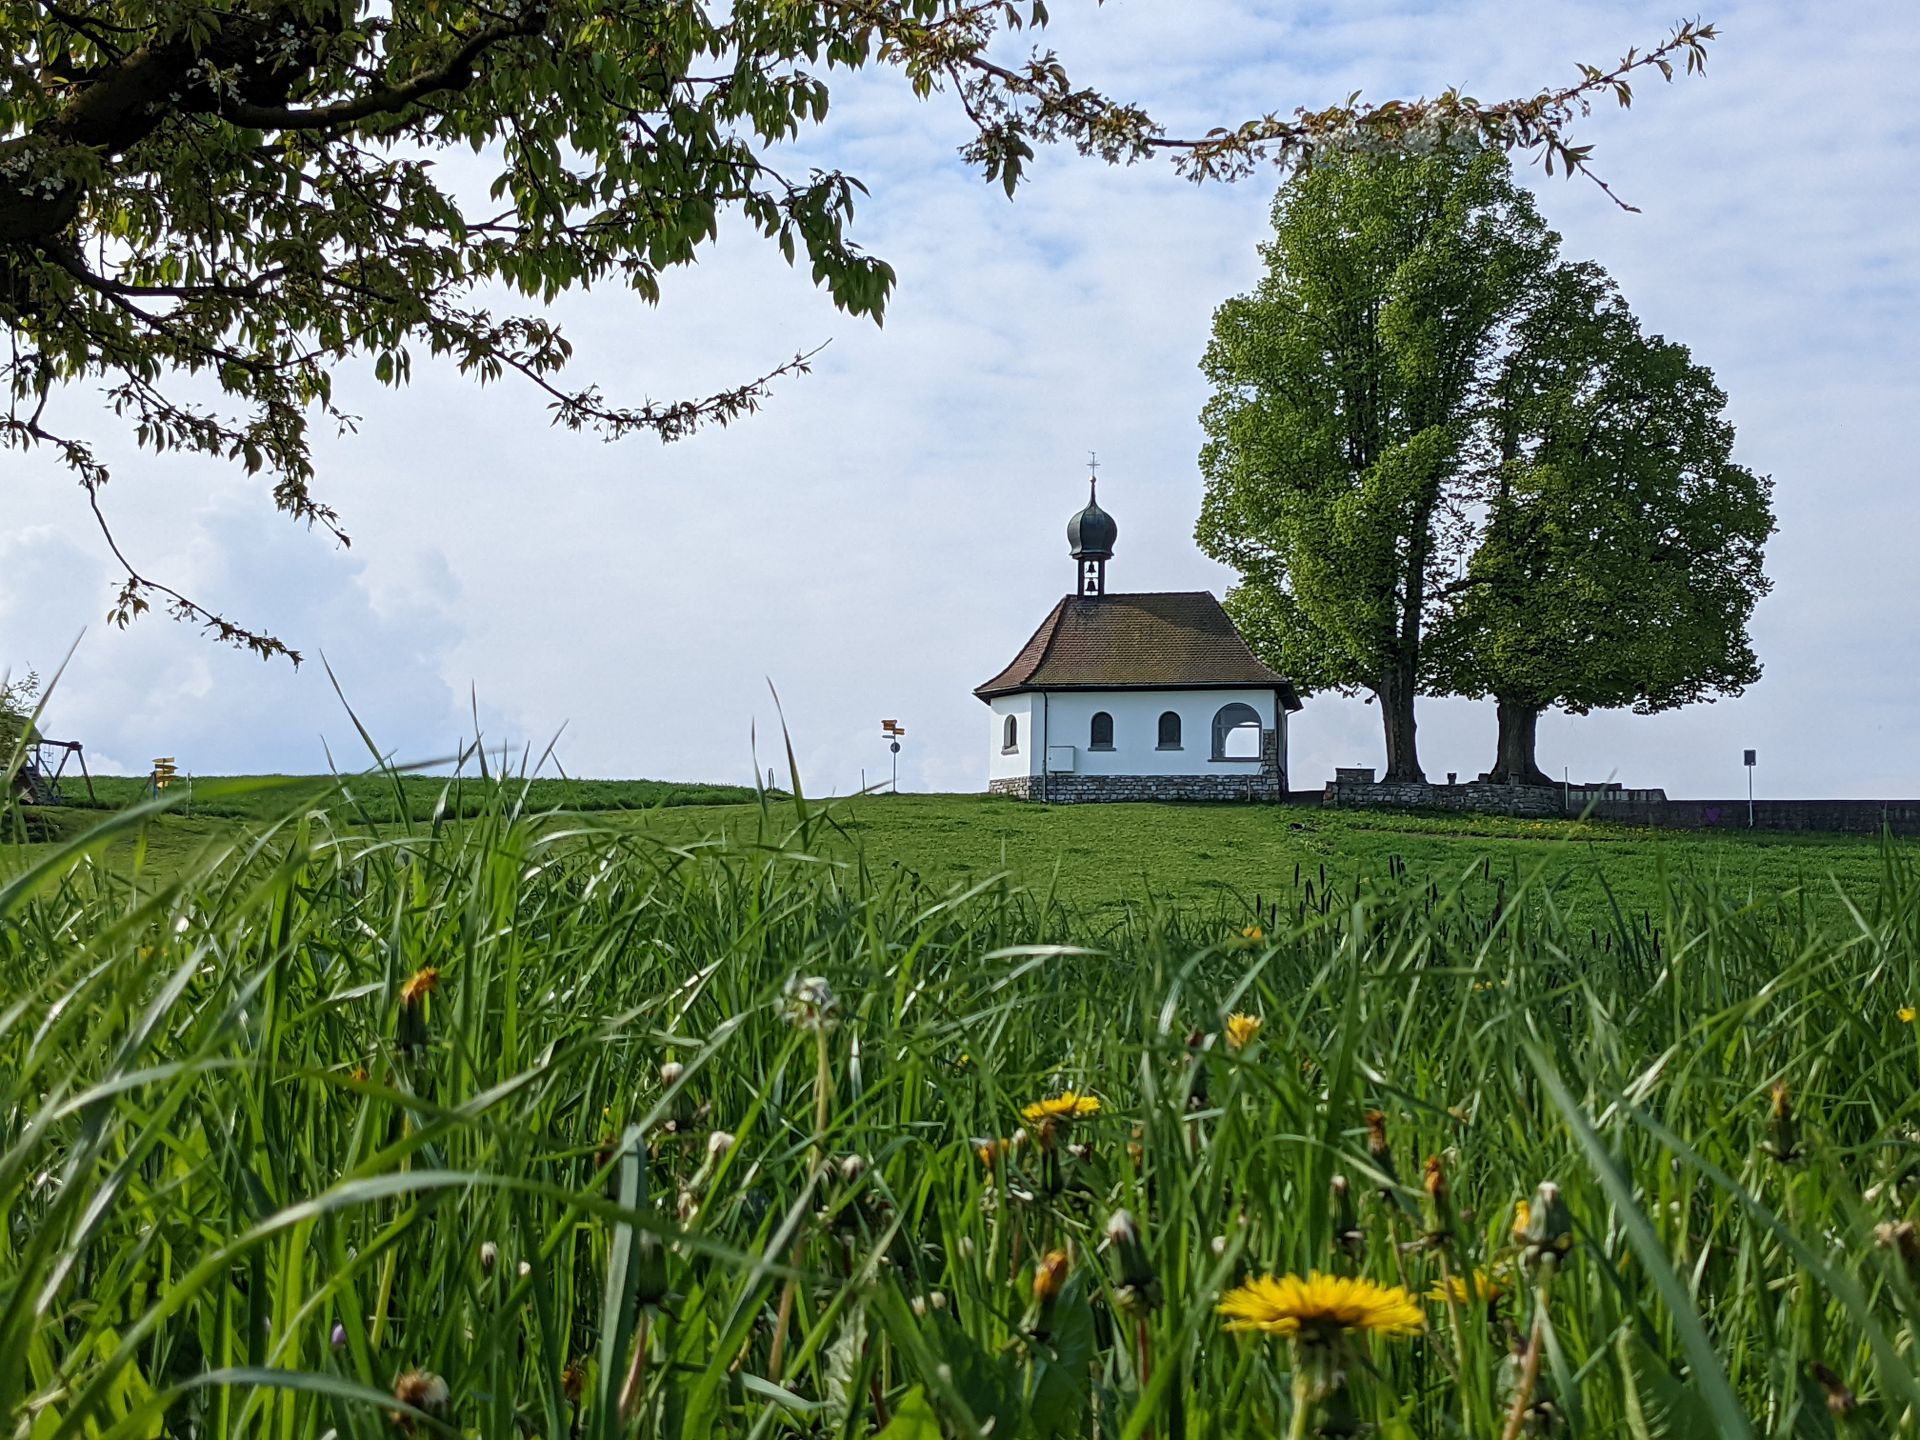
1342, 431
1621, 550
248, 195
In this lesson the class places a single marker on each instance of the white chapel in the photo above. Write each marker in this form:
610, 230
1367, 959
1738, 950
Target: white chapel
1144, 696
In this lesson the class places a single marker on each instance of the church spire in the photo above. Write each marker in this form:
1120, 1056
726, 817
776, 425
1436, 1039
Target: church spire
1090, 537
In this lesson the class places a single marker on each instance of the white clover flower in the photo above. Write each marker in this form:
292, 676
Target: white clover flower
810, 1002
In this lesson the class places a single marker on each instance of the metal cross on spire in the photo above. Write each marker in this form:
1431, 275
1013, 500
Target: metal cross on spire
1093, 462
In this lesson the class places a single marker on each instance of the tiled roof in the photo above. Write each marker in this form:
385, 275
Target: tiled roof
1163, 640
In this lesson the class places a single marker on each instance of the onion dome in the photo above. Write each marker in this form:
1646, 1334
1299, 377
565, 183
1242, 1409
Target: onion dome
1091, 533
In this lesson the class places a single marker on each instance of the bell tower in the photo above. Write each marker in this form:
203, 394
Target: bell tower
1090, 537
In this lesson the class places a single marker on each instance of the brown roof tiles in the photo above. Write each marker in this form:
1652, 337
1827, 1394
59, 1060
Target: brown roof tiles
1158, 640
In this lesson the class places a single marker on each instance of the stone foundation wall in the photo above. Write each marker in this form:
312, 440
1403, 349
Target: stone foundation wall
1268, 785
1095, 789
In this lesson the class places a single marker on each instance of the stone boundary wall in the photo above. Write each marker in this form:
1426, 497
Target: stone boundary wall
1833, 817
1649, 807
1357, 789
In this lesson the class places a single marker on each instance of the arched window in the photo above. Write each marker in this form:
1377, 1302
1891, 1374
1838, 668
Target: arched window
1100, 736
1170, 730
1010, 735
1236, 733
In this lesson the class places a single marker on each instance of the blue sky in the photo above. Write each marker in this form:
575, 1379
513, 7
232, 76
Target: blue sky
888, 531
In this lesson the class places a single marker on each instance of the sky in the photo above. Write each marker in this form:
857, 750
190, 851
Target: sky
886, 533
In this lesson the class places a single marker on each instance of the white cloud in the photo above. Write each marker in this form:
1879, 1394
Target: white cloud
889, 530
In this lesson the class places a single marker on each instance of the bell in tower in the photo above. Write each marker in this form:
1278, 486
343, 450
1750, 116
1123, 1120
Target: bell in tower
1090, 536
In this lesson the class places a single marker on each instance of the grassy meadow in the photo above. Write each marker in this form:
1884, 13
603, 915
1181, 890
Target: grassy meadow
788, 1120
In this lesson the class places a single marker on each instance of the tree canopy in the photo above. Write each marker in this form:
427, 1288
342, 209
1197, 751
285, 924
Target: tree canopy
1341, 432
1445, 460
1621, 553
255, 194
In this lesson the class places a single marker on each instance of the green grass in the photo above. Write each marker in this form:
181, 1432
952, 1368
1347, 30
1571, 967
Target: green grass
1104, 857
388, 798
251, 1186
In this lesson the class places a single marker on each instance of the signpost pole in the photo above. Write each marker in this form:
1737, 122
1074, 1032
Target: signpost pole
893, 730
1750, 757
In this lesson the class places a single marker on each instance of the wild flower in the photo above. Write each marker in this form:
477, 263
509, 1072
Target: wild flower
1783, 1132
421, 1390
422, 983
411, 1031
1346, 1222
1136, 1288
1319, 1309
1381, 1152
1482, 1287
810, 1002
1907, 1012
1901, 1237
1549, 1230
1067, 1105
1840, 1397
1050, 1275
1242, 1029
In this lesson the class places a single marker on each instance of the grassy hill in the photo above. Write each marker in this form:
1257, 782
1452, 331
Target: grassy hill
1108, 857
386, 798
1097, 858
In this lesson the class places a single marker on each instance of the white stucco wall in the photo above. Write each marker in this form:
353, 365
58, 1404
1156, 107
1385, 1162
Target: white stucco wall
1066, 716
1024, 761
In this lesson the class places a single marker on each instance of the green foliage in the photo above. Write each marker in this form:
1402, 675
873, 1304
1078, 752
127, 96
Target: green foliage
17, 705
1342, 430
334, 1114
1621, 555
1445, 461
259, 196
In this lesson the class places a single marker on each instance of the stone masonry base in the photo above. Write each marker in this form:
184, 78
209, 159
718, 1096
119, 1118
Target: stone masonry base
1092, 789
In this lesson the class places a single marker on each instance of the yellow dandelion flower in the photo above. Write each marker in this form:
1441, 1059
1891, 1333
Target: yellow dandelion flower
1320, 1308
422, 983
1907, 1012
1253, 932
1241, 1029
1050, 1276
1483, 1289
1067, 1105
1522, 1219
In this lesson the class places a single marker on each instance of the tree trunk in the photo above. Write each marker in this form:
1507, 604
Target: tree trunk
1513, 761
1396, 693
